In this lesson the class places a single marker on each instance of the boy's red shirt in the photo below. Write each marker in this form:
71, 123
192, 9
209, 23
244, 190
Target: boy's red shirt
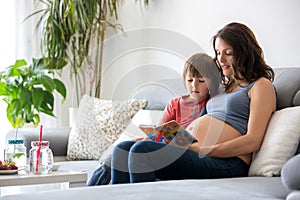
183, 112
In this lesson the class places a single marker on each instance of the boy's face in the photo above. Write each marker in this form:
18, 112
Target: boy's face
197, 87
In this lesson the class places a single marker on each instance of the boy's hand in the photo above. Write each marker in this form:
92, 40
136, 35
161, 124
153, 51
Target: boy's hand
195, 147
166, 141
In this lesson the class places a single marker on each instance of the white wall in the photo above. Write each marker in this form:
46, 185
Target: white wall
274, 22
185, 26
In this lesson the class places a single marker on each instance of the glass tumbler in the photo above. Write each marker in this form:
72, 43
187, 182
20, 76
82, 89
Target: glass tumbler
16, 152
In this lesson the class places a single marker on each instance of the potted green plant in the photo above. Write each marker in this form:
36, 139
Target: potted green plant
72, 30
28, 91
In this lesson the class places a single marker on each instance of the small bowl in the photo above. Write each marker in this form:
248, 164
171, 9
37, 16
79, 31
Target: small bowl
55, 167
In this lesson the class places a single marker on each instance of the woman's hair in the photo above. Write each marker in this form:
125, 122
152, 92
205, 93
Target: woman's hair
201, 65
248, 59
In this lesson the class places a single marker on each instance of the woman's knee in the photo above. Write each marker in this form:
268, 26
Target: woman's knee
145, 146
120, 154
126, 145
122, 148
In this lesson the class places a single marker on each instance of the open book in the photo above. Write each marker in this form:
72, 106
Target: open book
170, 131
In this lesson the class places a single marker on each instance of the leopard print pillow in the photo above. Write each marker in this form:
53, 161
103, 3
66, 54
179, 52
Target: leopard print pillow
98, 124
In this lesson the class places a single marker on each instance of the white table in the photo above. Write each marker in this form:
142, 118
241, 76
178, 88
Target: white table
73, 178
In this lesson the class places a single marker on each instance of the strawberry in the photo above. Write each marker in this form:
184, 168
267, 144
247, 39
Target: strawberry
8, 167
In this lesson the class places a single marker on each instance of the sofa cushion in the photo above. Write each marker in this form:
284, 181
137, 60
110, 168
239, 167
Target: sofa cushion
246, 188
290, 175
98, 124
295, 195
280, 143
287, 86
159, 93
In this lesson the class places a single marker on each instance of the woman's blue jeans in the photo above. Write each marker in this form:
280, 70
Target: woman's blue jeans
146, 161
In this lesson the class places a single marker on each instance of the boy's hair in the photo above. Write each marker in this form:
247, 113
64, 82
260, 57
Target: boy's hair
202, 65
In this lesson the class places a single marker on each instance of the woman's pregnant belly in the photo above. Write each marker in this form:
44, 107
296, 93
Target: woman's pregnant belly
210, 131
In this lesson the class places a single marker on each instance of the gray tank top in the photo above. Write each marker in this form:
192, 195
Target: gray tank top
232, 108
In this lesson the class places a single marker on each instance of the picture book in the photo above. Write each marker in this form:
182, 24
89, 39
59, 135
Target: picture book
170, 131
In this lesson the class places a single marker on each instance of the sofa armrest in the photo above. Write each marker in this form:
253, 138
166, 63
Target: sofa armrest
295, 195
58, 138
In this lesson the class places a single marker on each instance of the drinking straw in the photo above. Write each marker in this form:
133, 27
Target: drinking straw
39, 150
16, 137
17, 129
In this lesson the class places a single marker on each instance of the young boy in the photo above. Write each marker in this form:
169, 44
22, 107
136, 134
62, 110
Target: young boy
202, 80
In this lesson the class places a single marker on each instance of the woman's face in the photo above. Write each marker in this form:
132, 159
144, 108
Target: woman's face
224, 56
197, 87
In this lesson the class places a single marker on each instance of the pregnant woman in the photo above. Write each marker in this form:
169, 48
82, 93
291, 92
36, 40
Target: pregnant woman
227, 135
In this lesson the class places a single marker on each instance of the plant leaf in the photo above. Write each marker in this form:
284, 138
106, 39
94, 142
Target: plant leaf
25, 96
37, 97
60, 88
13, 111
47, 105
35, 119
3, 91
47, 82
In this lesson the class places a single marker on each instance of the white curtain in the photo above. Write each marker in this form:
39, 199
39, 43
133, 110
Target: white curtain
19, 40
27, 36
7, 57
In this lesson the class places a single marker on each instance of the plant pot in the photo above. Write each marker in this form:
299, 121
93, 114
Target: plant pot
29, 125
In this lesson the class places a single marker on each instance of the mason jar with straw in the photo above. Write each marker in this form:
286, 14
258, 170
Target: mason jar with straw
40, 156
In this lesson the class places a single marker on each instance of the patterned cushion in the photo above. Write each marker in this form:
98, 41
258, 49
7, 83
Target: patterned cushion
98, 124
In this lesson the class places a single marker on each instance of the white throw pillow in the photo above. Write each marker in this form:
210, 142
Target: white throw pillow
133, 131
280, 143
98, 124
